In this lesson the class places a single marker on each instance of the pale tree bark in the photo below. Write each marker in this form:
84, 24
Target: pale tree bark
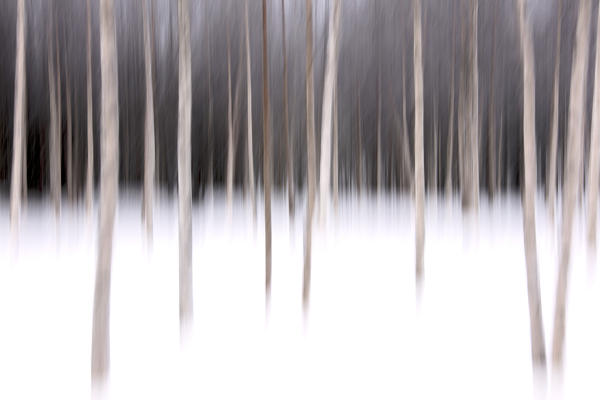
434, 163
359, 158
379, 134
500, 154
491, 145
311, 156
267, 153
210, 108
450, 145
408, 170
326, 115
109, 169
19, 120
419, 156
229, 133
89, 180
538, 350
594, 161
55, 171
572, 170
69, 135
335, 166
53, 113
249, 116
184, 172
286, 133
149, 144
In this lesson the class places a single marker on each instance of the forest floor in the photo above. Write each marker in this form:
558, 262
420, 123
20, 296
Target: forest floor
366, 335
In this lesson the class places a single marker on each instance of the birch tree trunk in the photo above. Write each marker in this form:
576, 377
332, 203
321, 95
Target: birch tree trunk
53, 113
311, 156
286, 133
149, 145
89, 180
55, 171
326, 115
229, 134
184, 173
538, 350
572, 170
335, 151
210, 110
450, 145
471, 201
491, 156
405, 144
249, 115
109, 169
267, 153
419, 156
19, 120
594, 161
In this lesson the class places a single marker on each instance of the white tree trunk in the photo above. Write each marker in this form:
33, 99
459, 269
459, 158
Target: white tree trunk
335, 151
287, 140
594, 161
419, 156
19, 120
538, 350
572, 171
109, 169
249, 116
229, 135
89, 180
184, 173
267, 154
149, 145
326, 115
551, 177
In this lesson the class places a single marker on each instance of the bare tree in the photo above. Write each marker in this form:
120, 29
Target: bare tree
89, 181
286, 134
184, 173
267, 153
19, 119
249, 115
538, 351
311, 157
419, 156
149, 150
594, 161
326, 115
109, 169
572, 171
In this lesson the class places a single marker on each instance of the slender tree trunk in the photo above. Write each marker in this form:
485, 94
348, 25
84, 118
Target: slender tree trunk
53, 112
149, 145
229, 134
184, 173
89, 181
379, 177
19, 120
434, 163
572, 170
267, 153
450, 145
471, 201
326, 115
500, 155
249, 116
109, 171
538, 351
286, 134
210, 110
335, 150
491, 145
311, 156
56, 154
359, 158
419, 157
405, 144
69, 136
594, 161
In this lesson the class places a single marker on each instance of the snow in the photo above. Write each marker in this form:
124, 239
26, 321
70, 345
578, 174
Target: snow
368, 334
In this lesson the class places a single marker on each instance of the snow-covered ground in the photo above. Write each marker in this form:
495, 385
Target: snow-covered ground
366, 336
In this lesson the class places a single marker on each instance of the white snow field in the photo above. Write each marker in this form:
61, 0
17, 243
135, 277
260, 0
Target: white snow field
366, 335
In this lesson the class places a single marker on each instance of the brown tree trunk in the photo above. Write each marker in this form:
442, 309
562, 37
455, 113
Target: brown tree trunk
538, 350
109, 169
572, 171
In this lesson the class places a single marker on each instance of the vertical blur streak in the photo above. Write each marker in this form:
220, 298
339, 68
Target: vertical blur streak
109, 167
90, 121
267, 154
419, 157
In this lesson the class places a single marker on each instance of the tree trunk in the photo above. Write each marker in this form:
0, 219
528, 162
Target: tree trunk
538, 351
19, 120
288, 142
149, 145
405, 144
184, 173
249, 116
89, 180
594, 161
69, 136
450, 145
419, 156
359, 164
572, 170
109, 169
491, 156
52, 131
267, 153
55, 181
229, 134
311, 156
379, 134
335, 166
330, 81
210, 110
